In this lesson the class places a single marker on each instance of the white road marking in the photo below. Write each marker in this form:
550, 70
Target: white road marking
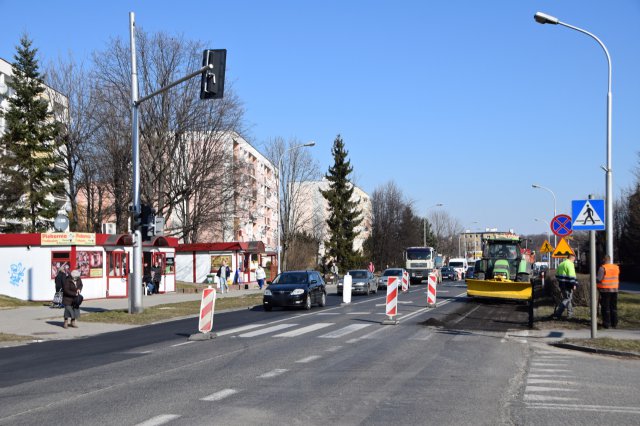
273, 373
159, 420
548, 370
344, 331
333, 348
239, 329
550, 382
529, 397
367, 336
267, 330
182, 344
328, 313
545, 389
308, 359
577, 407
553, 376
219, 395
358, 313
304, 330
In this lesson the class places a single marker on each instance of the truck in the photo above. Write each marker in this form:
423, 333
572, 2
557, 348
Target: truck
419, 263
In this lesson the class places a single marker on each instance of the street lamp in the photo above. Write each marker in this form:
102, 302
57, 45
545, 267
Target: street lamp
555, 237
424, 239
279, 209
543, 18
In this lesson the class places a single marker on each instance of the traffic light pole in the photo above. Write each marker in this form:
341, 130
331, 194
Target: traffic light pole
136, 272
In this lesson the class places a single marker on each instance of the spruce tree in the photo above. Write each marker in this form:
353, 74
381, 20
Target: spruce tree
27, 166
344, 215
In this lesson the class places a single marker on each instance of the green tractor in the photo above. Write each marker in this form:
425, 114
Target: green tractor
503, 272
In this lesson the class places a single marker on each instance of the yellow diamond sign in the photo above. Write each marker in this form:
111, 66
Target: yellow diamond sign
563, 250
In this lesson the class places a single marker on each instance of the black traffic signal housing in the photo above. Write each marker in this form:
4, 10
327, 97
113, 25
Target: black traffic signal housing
212, 82
148, 219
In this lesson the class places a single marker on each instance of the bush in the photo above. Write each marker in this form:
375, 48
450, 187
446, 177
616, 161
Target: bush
581, 296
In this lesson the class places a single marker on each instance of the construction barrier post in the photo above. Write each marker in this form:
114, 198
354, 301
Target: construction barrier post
207, 307
405, 281
392, 301
431, 290
347, 282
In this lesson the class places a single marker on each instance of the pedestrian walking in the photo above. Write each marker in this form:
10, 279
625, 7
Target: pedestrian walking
260, 276
147, 279
335, 272
63, 274
223, 274
72, 299
607, 281
566, 276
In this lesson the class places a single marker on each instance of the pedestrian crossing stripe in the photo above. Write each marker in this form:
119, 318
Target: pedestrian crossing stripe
546, 247
588, 215
563, 250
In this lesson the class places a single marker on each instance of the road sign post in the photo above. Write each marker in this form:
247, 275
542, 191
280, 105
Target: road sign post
391, 307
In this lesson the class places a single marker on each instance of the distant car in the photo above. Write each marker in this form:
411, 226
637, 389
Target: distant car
295, 288
448, 273
391, 272
362, 281
470, 271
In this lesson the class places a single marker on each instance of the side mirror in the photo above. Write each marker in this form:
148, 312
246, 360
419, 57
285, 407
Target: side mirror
314, 281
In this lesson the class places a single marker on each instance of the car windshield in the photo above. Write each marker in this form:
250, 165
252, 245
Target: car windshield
504, 251
418, 254
358, 274
456, 264
446, 269
292, 278
392, 273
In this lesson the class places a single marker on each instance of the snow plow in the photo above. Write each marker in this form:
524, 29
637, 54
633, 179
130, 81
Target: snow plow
504, 272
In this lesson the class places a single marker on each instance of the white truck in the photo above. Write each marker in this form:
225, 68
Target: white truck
419, 262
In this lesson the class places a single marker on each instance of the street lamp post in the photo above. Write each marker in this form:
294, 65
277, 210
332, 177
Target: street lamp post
424, 238
279, 209
555, 237
543, 18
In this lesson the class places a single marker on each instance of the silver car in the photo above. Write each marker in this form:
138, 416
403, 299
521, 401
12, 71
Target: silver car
362, 281
391, 272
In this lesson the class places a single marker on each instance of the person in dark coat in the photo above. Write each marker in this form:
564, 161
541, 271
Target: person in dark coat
71, 288
147, 278
156, 271
63, 274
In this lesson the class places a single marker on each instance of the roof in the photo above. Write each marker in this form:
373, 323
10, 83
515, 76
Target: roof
245, 246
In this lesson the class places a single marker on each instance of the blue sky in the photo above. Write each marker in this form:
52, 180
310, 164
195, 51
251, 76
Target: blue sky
465, 103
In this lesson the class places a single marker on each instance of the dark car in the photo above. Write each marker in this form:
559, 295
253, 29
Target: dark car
362, 281
470, 271
448, 273
295, 288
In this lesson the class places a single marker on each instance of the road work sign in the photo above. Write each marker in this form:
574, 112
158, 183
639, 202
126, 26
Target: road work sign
588, 215
546, 247
563, 250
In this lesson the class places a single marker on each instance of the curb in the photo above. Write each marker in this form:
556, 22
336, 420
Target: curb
595, 350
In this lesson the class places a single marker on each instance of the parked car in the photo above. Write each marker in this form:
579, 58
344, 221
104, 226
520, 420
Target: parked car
470, 271
295, 288
391, 272
362, 281
448, 273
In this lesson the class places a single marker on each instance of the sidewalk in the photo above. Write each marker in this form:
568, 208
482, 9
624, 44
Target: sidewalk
45, 323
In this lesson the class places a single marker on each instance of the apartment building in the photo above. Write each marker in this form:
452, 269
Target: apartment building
313, 210
58, 103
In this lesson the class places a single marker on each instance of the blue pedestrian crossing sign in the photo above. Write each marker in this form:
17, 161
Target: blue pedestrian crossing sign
588, 215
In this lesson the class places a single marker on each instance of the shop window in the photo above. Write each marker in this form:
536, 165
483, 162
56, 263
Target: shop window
59, 260
89, 263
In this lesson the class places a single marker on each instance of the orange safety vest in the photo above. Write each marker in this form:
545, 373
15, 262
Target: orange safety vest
610, 279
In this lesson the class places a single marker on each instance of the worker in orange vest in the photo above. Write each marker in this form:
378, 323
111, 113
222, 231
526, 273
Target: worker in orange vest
607, 280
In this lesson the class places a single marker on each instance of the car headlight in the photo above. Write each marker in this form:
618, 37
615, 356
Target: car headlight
297, 292
267, 292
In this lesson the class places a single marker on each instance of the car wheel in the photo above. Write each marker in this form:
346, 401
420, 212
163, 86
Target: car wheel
323, 299
376, 290
307, 302
268, 308
368, 289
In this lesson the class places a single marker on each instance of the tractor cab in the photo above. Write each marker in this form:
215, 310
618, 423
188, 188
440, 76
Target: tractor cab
502, 259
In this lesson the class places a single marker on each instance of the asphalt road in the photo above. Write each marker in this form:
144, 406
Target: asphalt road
336, 364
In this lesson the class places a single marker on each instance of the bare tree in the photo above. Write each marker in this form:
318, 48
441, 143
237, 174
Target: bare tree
446, 229
187, 164
297, 166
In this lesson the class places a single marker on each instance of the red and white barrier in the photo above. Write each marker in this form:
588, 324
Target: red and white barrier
392, 297
207, 306
431, 290
405, 281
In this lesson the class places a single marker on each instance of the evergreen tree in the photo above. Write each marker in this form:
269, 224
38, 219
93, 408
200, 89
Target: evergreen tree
629, 247
27, 166
344, 216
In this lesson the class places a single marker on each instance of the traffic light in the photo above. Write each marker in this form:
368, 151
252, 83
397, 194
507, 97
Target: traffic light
136, 221
212, 82
148, 222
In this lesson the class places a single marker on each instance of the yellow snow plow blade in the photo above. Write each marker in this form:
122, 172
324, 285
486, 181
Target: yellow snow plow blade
499, 288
